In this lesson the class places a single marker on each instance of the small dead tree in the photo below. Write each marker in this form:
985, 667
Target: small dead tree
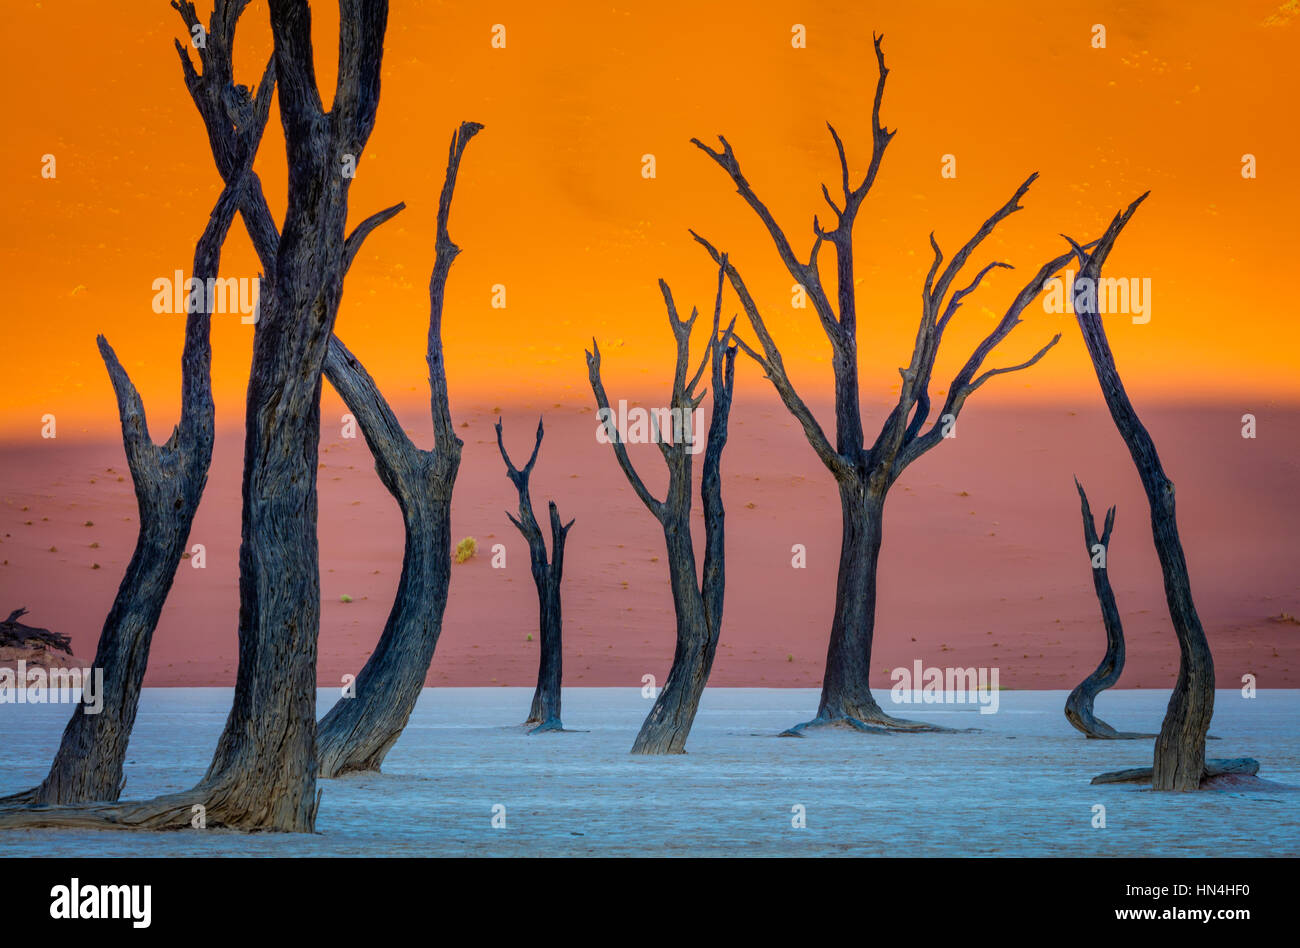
169, 479
1180, 762
865, 472
263, 772
545, 710
697, 602
1078, 706
15, 634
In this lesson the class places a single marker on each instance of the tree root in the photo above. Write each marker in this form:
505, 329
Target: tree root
23, 798
873, 722
1221, 767
172, 812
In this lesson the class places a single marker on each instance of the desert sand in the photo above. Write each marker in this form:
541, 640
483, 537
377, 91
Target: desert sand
983, 561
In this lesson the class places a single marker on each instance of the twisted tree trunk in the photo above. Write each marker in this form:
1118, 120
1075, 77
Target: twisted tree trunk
1180, 762
1078, 706
697, 604
545, 710
169, 481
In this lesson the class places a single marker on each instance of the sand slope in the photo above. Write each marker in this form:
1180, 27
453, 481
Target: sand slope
983, 560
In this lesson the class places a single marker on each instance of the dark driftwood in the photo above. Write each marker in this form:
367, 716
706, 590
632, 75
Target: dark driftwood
545, 710
696, 603
865, 474
1180, 747
1078, 706
14, 634
263, 772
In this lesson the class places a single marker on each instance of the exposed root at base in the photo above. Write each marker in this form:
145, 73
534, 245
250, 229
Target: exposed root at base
1221, 767
876, 722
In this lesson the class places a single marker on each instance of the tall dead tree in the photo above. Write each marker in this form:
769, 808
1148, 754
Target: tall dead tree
169, 479
1180, 762
263, 772
356, 734
864, 472
697, 603
1078, 705
545, 710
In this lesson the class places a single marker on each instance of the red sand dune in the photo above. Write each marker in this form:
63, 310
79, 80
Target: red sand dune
983, 561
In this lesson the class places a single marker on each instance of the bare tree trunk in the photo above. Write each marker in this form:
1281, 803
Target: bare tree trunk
697, 604
1078, 706
263, 771
169, 481
357, 733
1180, 748
846, 695
545, 710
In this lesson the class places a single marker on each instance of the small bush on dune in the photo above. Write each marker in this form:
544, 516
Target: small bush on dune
465, 549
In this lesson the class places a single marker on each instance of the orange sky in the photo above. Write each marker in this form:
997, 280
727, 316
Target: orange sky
552, 203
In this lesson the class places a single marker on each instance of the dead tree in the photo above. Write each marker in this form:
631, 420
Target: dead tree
545, 710
169, 479
356, 734
15, 634
263, 772
1078, 706
864, 472
697, 603
1180, 762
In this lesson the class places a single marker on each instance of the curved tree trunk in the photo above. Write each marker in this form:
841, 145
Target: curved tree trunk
1180, 748
1079, 703
358, 732
545, 710
169, 481
697, 604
